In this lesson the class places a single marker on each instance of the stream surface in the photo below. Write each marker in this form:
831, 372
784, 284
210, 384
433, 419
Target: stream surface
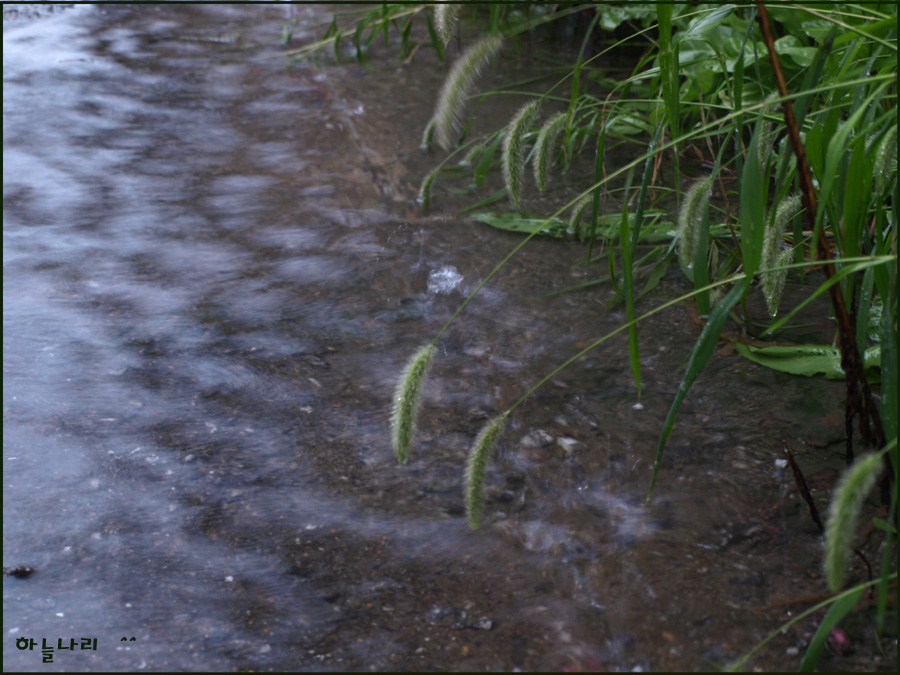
214, 271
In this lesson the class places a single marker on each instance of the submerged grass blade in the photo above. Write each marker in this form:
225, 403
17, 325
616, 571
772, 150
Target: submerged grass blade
481, 451
513, 159
843, 515
406, 401
448, 114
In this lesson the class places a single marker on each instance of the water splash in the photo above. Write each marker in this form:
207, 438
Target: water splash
444, 280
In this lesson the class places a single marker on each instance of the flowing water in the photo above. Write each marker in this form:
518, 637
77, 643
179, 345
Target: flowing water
214, 271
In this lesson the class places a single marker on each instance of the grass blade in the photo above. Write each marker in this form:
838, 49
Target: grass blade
703, 349
835, 615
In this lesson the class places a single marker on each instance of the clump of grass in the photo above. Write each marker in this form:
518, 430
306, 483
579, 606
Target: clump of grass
843, 515
406, 401
513, 159
481, 451
448, 113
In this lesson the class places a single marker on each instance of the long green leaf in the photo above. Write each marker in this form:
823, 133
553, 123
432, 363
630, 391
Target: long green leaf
835, 615
598, 180
754, 190
634, 353
703, 349
668, 68
805, 360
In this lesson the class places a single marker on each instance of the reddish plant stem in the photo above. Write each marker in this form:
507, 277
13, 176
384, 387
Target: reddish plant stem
857, 385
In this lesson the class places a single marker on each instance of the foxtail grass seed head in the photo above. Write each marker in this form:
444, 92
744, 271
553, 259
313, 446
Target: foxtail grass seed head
575, 226
428, 135
773, 256
448, 113
424, 197
445, 18
773, 281
843, 515
481, 451
546, 143
513, 158
689, 221
767, 133
406, 401
474, 151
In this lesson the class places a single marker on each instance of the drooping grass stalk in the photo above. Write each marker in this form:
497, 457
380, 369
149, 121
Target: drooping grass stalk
424, 196
479, 455
773, 257
843, 515
690, 219
448, 113
406, 401
513, 155
544, 148
428, 135
575, 216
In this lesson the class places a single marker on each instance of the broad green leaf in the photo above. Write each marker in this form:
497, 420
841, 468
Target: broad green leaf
805, 359
706, 21
516, 222
790, 46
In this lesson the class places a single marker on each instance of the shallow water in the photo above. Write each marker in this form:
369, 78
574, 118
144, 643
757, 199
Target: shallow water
214, 271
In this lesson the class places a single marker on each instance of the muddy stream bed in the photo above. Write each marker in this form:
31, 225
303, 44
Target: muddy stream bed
214, 270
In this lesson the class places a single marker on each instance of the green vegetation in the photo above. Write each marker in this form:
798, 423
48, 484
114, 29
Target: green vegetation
797, 139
